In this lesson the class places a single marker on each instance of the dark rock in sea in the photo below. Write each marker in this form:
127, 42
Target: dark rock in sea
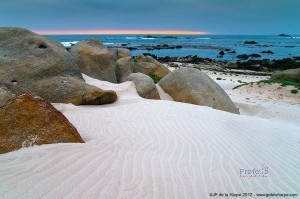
267, 52
221, 53
195, 87
250, 42
187, 59
232, 52
152, 55
169, 37
149, 37
44, 67
26, 120
165, 45
145, 86
124, 45
264, 46
287, 75
94, 60
227, 50
296, 58
255, 55
178, 46
242, 56
131, 48
284, 35
290, 46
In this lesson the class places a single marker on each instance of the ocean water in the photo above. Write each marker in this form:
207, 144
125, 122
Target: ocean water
208, 46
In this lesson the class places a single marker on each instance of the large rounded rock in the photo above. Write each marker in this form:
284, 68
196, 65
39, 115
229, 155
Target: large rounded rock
140, 58
93, 59
8, 93
195, 87
124, 67
43, 67
123, 52
144, 85
145, 68
161, 70
119, 53
26, 120
287, 75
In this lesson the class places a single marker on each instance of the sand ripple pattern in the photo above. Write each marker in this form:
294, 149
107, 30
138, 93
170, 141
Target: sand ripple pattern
156, 149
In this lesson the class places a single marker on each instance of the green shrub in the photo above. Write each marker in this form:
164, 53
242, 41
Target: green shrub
173, 65
269, 81
281, 82
219, 78
154, 77
197, 67
294, 91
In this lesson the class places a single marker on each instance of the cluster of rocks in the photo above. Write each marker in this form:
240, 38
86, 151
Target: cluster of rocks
245, 56
264, 65
267, 65
37, 71
167, 46
152, 47
43, 67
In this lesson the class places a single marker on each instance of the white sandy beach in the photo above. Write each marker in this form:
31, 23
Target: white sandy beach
138, 148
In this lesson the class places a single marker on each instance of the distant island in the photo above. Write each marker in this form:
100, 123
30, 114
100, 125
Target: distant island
285, 35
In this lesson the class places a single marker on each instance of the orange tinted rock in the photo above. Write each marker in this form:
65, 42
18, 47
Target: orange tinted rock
28, 120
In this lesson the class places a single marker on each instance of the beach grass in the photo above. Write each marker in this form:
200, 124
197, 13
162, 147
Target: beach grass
155, 78
270, 81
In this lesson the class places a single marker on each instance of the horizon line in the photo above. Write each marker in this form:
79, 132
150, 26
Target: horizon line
115, 32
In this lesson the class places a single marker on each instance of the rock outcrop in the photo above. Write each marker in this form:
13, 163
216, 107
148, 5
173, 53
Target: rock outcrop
144, 85
140, 58
195, 87
118, 53
123, 52
250, 42
124, 67
161, 70
93, 59
44, 67
287, 75
26, 120
144, 67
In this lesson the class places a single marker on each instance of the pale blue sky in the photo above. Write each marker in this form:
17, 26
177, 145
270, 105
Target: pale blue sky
215, 16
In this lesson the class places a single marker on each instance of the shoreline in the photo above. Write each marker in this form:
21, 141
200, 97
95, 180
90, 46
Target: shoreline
265, 66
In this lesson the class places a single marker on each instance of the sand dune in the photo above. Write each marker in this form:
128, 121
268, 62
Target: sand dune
137, 148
